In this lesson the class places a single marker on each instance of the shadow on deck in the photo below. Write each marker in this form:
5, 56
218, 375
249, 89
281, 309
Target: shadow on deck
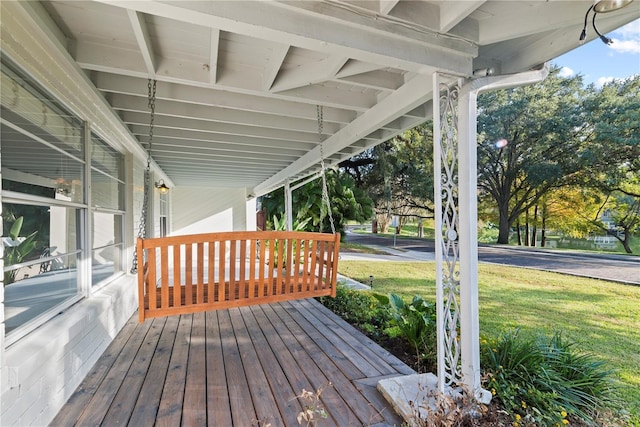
236, 367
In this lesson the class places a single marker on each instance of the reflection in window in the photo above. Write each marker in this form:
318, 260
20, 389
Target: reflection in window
39, 286
44, 206
43, 172
41, 253
107, 201
107, 246
164, 214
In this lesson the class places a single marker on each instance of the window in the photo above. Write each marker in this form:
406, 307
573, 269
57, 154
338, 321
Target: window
164, 214
107, 205
42, 202
48, 263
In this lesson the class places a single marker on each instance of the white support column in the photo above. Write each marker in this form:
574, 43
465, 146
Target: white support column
288, 197
456, 213
468, 217
288, 205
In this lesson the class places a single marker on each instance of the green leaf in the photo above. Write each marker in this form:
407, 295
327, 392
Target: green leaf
15, 228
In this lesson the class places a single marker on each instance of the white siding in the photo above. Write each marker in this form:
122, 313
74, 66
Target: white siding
207, 210
41, 370
45, 367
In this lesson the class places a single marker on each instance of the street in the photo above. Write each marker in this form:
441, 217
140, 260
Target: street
618, 268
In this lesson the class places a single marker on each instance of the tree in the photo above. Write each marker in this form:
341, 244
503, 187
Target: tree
614, 139
614, 155
398, 175
625, 211
347, 203
530, 141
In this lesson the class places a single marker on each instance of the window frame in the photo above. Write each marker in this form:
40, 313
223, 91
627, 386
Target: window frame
84, 287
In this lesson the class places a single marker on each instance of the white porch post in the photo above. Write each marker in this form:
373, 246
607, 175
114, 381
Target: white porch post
456, 217
288, 205
468, 211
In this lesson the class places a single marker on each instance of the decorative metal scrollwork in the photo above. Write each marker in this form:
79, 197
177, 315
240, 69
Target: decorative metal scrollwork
450, 315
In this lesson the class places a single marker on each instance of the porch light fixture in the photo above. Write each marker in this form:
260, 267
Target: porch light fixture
604, 6
162, 187
601, 6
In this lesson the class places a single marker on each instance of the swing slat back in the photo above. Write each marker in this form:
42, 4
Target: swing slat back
200, 272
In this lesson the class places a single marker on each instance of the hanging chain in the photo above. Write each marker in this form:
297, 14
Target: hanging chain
325, 190
142, 226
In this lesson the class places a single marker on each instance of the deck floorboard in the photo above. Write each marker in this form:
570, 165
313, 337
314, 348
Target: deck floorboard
235, 367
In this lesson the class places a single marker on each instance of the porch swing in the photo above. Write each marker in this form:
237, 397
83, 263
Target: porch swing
201, 272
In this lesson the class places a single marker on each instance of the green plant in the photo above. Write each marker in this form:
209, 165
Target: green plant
356, 307
18, 249
603, 314
280, 224
416, 321
545, 380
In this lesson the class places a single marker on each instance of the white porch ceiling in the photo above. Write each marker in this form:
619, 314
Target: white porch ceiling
239, 81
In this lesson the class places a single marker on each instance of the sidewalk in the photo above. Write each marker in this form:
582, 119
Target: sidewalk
392, 255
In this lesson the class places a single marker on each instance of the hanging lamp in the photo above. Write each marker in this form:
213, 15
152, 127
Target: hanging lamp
162, 187
605, 6
601, 6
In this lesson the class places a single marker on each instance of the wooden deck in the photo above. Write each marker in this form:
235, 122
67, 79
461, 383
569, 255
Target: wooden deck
235, 367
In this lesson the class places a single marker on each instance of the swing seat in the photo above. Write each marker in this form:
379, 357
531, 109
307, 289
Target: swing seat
200, 272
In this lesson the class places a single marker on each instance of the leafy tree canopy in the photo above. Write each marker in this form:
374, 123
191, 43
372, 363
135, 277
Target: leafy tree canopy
398, 174
348, 202
529, 141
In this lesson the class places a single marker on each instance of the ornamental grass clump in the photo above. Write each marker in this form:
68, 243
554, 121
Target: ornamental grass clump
546, 381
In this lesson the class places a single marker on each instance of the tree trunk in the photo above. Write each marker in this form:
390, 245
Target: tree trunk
625, 242
543, 232
526, 229
534, 228
519, 233
503, 228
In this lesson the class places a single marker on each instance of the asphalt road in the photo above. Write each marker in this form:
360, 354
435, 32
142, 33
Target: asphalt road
619, 268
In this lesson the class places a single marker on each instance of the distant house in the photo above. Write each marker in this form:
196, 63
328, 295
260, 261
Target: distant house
608, 239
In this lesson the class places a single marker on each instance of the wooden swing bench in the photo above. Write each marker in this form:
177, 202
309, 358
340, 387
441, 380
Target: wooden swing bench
200, 272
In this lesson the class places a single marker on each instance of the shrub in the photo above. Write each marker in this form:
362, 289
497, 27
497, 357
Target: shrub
542, 380
417, 323
357, 307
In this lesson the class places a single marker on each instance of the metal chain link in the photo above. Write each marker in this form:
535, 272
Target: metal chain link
325, 190
142, 226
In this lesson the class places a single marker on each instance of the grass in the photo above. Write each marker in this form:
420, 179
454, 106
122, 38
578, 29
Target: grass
602, 317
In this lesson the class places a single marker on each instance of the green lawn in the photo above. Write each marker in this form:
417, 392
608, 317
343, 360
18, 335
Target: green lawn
603, 317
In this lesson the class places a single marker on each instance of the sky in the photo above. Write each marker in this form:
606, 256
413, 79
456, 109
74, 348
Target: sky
599, 63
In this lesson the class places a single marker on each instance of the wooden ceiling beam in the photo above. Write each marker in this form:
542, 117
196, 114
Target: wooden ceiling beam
139, 25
